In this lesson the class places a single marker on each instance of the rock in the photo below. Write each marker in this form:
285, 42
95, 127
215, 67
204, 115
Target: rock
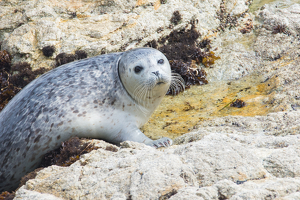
196, 193
224, 189
284, 162
236, 61
279, 32
229, 165
221, 158
279, 123
26, 194
146, 173
92, 26
126, 171
293, 196
108, 26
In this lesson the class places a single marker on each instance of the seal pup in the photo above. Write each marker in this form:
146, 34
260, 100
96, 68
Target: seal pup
106, 97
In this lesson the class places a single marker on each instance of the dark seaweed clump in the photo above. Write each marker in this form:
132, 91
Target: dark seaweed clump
227, 20
23, 74
190, 75
238, 103
248, 27
280, 28
152, 44
48, 51
64, 58
5, 60
183, 37
183, 50
181, 45
14, 78
176, 18
205, 43
7, 195
80, 54
68, 153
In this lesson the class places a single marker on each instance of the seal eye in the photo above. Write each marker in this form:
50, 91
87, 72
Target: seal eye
138, 69
161, 61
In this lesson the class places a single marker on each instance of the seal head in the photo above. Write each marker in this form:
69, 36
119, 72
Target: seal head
146, 76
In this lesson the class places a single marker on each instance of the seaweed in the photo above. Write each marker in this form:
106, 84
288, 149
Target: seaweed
183, 50
7, 195
80, 54
14, 78
190, 74
226, 19
248, 27
68, 153
64, 58
280, 28
48, 51
238, 103
176, 17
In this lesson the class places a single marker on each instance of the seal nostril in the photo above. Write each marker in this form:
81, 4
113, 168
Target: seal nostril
156, 73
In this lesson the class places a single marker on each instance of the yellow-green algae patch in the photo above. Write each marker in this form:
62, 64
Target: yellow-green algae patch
257, 4
177, 115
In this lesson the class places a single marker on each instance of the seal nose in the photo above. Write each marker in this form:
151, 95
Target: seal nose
156, 73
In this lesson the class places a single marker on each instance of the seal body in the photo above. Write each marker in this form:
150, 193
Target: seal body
106, 97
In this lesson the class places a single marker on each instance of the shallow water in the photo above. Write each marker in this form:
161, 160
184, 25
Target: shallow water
178, 115
257, 4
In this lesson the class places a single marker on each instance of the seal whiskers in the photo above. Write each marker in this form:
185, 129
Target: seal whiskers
177, 83
141, 92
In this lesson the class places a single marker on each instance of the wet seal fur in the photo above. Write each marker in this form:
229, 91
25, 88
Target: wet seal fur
107, 97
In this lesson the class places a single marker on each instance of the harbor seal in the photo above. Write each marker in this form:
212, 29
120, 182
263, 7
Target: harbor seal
106, 97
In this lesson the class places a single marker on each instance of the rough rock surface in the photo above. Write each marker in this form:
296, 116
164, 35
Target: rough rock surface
225, 157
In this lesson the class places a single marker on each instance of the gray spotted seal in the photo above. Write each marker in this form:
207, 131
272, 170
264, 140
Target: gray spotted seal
107, 97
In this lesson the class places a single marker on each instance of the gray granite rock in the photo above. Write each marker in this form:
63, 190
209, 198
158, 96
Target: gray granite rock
141, 172
21, 194
279, 30
225, 189
94, 26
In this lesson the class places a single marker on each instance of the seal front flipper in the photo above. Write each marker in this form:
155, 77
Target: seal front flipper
162, 142
134, 134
